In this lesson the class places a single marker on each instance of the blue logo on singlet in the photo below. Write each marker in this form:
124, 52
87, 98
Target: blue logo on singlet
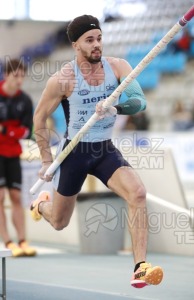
83, 92
110, 87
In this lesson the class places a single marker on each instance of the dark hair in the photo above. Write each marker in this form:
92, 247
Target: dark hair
12, 65
80, 25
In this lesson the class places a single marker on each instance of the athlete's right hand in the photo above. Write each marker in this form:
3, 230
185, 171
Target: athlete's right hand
41, 173
105, 112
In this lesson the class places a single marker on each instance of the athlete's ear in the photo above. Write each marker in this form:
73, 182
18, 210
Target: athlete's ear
75, 46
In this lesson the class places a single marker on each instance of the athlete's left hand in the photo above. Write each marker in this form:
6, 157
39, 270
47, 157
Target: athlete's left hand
42, 171
104, 112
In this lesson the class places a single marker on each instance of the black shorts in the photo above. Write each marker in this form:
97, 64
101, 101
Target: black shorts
10, 172
100, 159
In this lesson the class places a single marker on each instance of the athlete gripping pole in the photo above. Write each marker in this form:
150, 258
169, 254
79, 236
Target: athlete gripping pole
114, 96
80, 86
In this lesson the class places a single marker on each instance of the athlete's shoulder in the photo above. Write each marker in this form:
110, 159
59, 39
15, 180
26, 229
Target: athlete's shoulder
112, 59
116, 61
119, 65
67, 70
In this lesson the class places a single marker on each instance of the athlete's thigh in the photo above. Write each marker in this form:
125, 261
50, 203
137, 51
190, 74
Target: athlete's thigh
125, 181
110, 161
72, 172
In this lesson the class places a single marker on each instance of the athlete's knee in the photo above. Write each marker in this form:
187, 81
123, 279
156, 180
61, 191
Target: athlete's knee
60, 224
141, 194
137, 196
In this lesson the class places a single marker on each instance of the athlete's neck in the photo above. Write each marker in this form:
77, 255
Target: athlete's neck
87, 68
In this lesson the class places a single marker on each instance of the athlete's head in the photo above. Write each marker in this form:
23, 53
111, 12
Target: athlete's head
14, 72
80, 25
85, 34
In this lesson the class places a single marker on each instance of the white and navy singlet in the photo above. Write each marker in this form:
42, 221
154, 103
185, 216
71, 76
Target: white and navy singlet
80, 105
95, 154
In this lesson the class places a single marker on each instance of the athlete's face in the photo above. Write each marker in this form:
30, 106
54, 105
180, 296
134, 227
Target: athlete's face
90, 45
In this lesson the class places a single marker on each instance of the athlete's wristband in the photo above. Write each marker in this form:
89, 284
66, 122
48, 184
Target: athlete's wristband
130, 107
119, 109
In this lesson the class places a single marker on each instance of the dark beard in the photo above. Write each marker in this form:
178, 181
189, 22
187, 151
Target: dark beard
94, 61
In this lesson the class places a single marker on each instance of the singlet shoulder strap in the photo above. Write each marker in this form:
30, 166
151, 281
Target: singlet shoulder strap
108, 69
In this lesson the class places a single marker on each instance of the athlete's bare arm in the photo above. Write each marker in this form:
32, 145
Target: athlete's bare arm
58, 86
